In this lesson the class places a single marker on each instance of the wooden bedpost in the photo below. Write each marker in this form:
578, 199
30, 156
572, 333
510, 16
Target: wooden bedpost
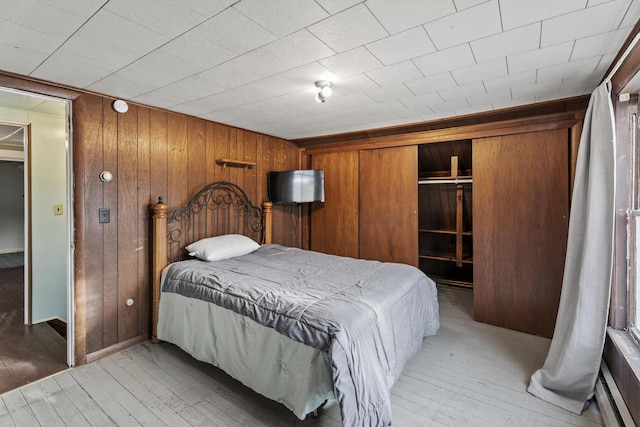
159, 259
267, 212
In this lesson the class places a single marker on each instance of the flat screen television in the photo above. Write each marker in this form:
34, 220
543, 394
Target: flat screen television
297, 186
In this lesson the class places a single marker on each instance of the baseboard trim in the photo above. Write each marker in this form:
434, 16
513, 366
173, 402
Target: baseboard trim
92, 357
10, 251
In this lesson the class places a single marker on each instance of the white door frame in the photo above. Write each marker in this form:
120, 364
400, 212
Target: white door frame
68, 203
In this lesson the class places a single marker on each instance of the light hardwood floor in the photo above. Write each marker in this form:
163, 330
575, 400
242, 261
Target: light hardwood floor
469, 374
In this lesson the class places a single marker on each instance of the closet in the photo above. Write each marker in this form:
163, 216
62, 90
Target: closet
484, 207
445, 212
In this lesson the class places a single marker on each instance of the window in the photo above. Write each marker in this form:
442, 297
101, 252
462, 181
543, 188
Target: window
633, 236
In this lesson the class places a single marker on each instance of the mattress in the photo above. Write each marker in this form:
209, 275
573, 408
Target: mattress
296, 375
368, 317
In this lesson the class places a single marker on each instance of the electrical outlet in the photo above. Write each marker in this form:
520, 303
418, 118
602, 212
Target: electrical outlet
104, 216
57, 208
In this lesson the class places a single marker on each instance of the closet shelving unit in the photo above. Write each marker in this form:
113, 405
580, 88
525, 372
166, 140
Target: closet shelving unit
444, 212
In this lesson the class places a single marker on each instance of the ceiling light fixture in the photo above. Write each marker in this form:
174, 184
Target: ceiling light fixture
323, 90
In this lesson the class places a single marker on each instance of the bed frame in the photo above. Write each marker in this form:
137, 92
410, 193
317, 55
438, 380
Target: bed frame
219, 208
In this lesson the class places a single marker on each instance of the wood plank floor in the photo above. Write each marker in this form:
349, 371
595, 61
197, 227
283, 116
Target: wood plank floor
27, 353
469, 374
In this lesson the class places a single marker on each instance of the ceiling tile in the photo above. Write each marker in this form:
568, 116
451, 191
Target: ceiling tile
234, 31
299, 48
421, 100
402, 46
152, 76
234, 97
245, 69
449, 106
387, 107
44, 18
599, 44
349, 29
107, 37
525, 78
209, 54
335, 6
511, 42
402, 72
355, 84
20, 59
517, 13
478, 72
544, 57
568, 70
432, 83
472, 109
23, 37
488, 97
382, 94
462, 92
461, 27
157, 99
121, 88
632, 14
192, 87
445, 60
400, 15
74, 70
535, 90
352, 62
296, 79
466, 4
282, 17
592, 21
165, 17
206, 7
161, 60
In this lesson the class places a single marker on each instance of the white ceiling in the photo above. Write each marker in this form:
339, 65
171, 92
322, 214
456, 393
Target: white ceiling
253, 63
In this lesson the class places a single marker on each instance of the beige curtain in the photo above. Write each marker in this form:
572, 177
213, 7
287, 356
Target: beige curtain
568, 376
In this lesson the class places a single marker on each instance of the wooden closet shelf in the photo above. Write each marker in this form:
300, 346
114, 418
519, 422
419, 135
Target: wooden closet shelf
446, 180
443, 257
235, 163
441, 231
448, 281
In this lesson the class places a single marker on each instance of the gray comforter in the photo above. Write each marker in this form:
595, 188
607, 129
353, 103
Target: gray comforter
369, 316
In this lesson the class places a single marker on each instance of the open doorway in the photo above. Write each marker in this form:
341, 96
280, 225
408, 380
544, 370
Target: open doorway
36, 136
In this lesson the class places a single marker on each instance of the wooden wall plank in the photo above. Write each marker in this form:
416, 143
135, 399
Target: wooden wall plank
127, 278
89, 247
196, 163
110, 281
159, 155
143, 225
178, 191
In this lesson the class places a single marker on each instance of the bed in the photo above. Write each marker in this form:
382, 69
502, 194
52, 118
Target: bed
296, 326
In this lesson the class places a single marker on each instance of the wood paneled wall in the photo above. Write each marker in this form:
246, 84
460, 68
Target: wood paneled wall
151, 153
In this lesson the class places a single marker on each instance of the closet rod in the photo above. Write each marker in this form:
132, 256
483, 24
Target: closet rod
446, 181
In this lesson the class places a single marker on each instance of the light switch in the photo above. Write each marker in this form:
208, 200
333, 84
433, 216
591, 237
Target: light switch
57, 208
104, 216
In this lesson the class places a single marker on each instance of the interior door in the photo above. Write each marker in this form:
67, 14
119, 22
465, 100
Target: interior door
520, 222
389, 204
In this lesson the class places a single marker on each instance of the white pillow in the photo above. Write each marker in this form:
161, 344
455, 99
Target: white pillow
222, 247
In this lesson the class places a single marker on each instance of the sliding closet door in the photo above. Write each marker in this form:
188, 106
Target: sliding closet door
334, 223
520, 221
389, 204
